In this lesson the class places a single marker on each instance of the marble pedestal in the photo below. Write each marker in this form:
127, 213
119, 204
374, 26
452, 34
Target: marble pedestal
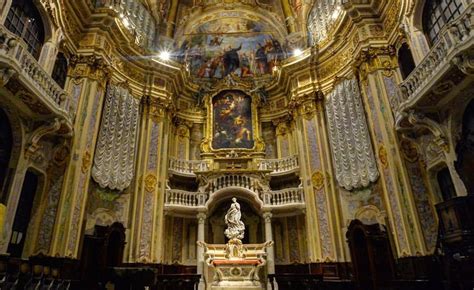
236, 274
236, 266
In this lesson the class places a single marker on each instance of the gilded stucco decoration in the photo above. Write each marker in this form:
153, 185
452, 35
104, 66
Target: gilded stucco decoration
353, 156
318, 180
150, 182
383, 156
115, 154
86, 162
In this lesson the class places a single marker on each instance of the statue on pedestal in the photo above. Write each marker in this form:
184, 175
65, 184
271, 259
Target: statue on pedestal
235, 231
236, 266
235, 227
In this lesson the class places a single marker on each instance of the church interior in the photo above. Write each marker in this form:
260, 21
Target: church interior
237, 144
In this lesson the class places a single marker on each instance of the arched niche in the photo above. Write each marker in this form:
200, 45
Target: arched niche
251, 217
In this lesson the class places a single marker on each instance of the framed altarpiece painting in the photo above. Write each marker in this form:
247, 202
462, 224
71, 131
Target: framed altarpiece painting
232, 124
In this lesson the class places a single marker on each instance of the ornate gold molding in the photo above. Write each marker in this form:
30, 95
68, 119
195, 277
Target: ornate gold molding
373, 59
318, 179
89, 66
150, 182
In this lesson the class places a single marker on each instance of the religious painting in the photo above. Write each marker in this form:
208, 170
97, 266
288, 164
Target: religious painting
241, 47
232, 121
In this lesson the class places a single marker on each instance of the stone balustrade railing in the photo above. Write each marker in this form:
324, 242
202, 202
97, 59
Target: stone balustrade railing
278, 198
184, 198
233, 180
282, 165
135, 17
453, 37
15, 59
187, 167
285, 196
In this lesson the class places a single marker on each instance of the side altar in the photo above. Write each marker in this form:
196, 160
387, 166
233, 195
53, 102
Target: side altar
236, 265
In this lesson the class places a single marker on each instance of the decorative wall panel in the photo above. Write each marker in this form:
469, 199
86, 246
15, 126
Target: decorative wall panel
115, 153
353, 156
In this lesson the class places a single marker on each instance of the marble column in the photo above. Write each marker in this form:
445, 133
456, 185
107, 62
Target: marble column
200, 250
5, 8
269, 237
172, 14
289, 18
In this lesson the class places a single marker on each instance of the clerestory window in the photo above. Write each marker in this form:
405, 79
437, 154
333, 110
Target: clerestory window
24, 20
436, 14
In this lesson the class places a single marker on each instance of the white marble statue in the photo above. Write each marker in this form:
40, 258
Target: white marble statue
235, 227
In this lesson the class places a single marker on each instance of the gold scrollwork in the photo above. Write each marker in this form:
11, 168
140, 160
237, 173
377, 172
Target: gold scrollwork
409, 150
318, 179
150, 182
86, 161
383, 156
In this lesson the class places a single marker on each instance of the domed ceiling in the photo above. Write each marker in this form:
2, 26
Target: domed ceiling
245, 39
242, 38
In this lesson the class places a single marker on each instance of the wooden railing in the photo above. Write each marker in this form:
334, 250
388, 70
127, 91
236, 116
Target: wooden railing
277, 166
135, 17
15, 59
453, 37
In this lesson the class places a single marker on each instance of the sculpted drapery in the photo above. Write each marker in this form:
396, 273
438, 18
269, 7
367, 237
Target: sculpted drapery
353, 156
116, 145
235, 227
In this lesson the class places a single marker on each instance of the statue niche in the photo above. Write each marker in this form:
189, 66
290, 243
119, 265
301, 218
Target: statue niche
236, 265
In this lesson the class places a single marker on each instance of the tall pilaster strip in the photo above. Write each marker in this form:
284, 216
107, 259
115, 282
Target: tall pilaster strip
374, 64
92, 71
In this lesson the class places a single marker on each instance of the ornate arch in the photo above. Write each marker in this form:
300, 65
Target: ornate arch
249, 196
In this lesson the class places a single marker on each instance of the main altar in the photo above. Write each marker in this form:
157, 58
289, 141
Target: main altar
236, 265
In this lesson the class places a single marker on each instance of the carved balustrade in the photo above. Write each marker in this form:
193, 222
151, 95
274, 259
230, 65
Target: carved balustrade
177, 197
287, 196
279, 166
134, 16
186, 200
233, 180
187, 167
16, 60
455, 38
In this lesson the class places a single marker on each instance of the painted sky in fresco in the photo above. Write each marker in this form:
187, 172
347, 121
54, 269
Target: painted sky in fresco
231, 46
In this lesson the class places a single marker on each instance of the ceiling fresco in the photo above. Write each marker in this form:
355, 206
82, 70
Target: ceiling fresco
245, 42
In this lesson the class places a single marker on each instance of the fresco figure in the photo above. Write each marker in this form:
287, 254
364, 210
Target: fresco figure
261, 60
231, 60
245, 70
241, 47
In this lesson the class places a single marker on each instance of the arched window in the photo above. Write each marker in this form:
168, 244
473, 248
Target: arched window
25, 21
437, 13
405, 60
60, 70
